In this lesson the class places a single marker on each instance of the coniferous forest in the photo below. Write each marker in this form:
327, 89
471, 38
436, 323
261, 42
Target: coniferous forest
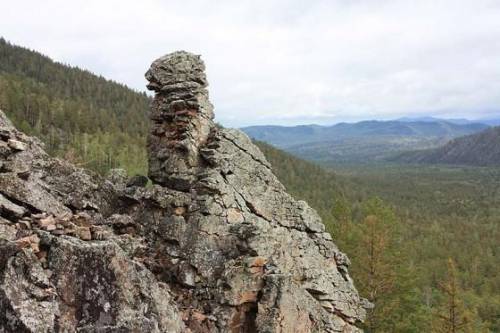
423, 241
97, 123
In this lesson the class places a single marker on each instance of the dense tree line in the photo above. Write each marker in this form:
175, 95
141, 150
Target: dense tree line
426, 254
100, 123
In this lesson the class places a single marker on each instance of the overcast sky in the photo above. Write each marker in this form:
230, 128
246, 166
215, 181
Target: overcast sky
287, 62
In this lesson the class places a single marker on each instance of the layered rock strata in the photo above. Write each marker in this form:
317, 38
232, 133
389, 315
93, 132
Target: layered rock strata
214, 245
181, 119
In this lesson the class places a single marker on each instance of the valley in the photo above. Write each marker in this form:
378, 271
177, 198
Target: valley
421, 217
440, 213
363, 142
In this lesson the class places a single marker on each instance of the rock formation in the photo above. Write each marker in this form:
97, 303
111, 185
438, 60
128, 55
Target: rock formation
181, 119
214, 245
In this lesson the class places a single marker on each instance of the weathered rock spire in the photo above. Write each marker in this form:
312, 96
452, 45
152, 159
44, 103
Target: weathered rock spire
262, 260
181, 118
235, 253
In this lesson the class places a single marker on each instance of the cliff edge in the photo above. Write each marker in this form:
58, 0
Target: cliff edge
214, 245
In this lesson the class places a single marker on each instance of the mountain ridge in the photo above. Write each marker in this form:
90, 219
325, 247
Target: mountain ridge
284, 136
480, 149
362, 142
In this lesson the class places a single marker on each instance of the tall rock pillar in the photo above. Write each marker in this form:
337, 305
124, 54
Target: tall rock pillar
181, 119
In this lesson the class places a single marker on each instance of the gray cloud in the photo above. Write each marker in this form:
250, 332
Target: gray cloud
287, 61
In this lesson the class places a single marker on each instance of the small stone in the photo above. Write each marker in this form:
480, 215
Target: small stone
70, 228
83, 233
39, 216
16, 145
64, 219
186, 275
82, 219
31, 241
11, 208
4, 149
48, 223
99, 233
51, 227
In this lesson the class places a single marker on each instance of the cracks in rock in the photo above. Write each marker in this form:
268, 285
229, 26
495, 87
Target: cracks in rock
342, 316
254, 210
248, 204
218, 235
245, 151
315, 293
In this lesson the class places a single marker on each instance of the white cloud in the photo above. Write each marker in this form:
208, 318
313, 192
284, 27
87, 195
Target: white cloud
287, 61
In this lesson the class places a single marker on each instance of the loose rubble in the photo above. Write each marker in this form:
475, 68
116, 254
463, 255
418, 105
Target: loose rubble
215, 244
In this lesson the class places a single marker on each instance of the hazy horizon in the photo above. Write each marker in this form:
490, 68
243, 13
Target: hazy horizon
325, 124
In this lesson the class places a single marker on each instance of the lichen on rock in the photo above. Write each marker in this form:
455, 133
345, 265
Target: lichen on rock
214, 245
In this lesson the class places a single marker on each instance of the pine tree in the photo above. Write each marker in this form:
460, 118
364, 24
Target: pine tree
376, 257
452, 317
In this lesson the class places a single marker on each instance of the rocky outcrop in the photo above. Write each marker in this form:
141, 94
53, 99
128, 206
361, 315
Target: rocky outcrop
65, 265
214, 245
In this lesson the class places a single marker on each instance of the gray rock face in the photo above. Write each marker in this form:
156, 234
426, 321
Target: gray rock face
215, 245
63, 267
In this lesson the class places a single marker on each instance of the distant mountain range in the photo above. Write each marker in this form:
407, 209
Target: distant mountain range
480, 149
491, 122
365, 141
283, 136
458, 121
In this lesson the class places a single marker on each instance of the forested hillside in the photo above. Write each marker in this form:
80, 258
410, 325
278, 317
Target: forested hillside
481, 149
93, 121
432, 228
427, 247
